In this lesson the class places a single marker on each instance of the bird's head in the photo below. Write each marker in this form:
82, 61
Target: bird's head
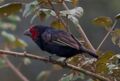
33, 32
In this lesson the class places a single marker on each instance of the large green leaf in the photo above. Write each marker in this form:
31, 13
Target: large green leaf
103, 21
10, 8
101, 66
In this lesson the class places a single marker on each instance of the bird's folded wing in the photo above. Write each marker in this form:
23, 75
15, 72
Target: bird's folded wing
61, 38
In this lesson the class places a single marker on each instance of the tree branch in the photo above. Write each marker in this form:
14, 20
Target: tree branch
15, 70
45, 59
113, 26
82, 32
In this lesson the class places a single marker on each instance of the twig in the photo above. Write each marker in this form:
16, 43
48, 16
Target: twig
31, 56
82, 32
15, 70
113, 26
59, 17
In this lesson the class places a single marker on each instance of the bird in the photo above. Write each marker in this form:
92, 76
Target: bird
57, 42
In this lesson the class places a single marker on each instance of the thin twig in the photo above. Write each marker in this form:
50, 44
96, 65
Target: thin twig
113, 26
15, 70
58, 17
82, 32
12, 67
45, 59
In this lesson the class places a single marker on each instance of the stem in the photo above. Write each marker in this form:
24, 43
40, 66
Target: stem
113, 26
31, 56
82, 32
15, 70
58, 17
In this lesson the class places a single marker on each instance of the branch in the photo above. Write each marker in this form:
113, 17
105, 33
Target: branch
45, 59
113, 26
82, 32
14, 69
57, 16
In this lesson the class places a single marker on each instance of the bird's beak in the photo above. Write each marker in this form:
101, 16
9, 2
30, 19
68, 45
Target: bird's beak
27, 33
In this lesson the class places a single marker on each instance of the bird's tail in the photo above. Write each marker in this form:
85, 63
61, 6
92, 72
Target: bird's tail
89, 52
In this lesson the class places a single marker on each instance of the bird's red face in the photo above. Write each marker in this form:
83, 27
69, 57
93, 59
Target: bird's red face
32, 32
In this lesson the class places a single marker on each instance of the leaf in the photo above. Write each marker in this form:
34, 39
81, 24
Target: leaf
13, 41
7, 25
30, 8
10, 8
58, 25
114, 66
43, 76
72, 77
27, 61
67, 78
103, 21
20, 43
76, 12
116, 37
73, 19
75, 2
45, 2
14, 18
8, 37
43, 14
101, 66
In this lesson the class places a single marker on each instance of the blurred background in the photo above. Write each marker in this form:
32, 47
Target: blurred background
92, 9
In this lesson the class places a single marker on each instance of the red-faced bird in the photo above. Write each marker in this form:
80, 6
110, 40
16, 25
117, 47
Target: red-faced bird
58, 42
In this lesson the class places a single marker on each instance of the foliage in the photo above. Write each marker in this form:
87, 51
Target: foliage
107, 65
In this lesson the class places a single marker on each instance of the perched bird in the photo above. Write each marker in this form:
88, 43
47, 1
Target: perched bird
58, 42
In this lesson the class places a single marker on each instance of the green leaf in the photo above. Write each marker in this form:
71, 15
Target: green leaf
58, 25
72, 77
101, 66
7, 25
76, 12
20, 43
8, 36
103, 21
30, 8
10, 8
116, 37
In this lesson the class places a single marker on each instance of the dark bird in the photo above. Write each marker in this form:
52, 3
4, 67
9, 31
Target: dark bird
58, 42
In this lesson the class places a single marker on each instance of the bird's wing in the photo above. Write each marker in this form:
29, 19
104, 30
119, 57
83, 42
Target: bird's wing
61, 38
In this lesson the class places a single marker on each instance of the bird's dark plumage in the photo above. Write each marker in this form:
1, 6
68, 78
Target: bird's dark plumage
58, 42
